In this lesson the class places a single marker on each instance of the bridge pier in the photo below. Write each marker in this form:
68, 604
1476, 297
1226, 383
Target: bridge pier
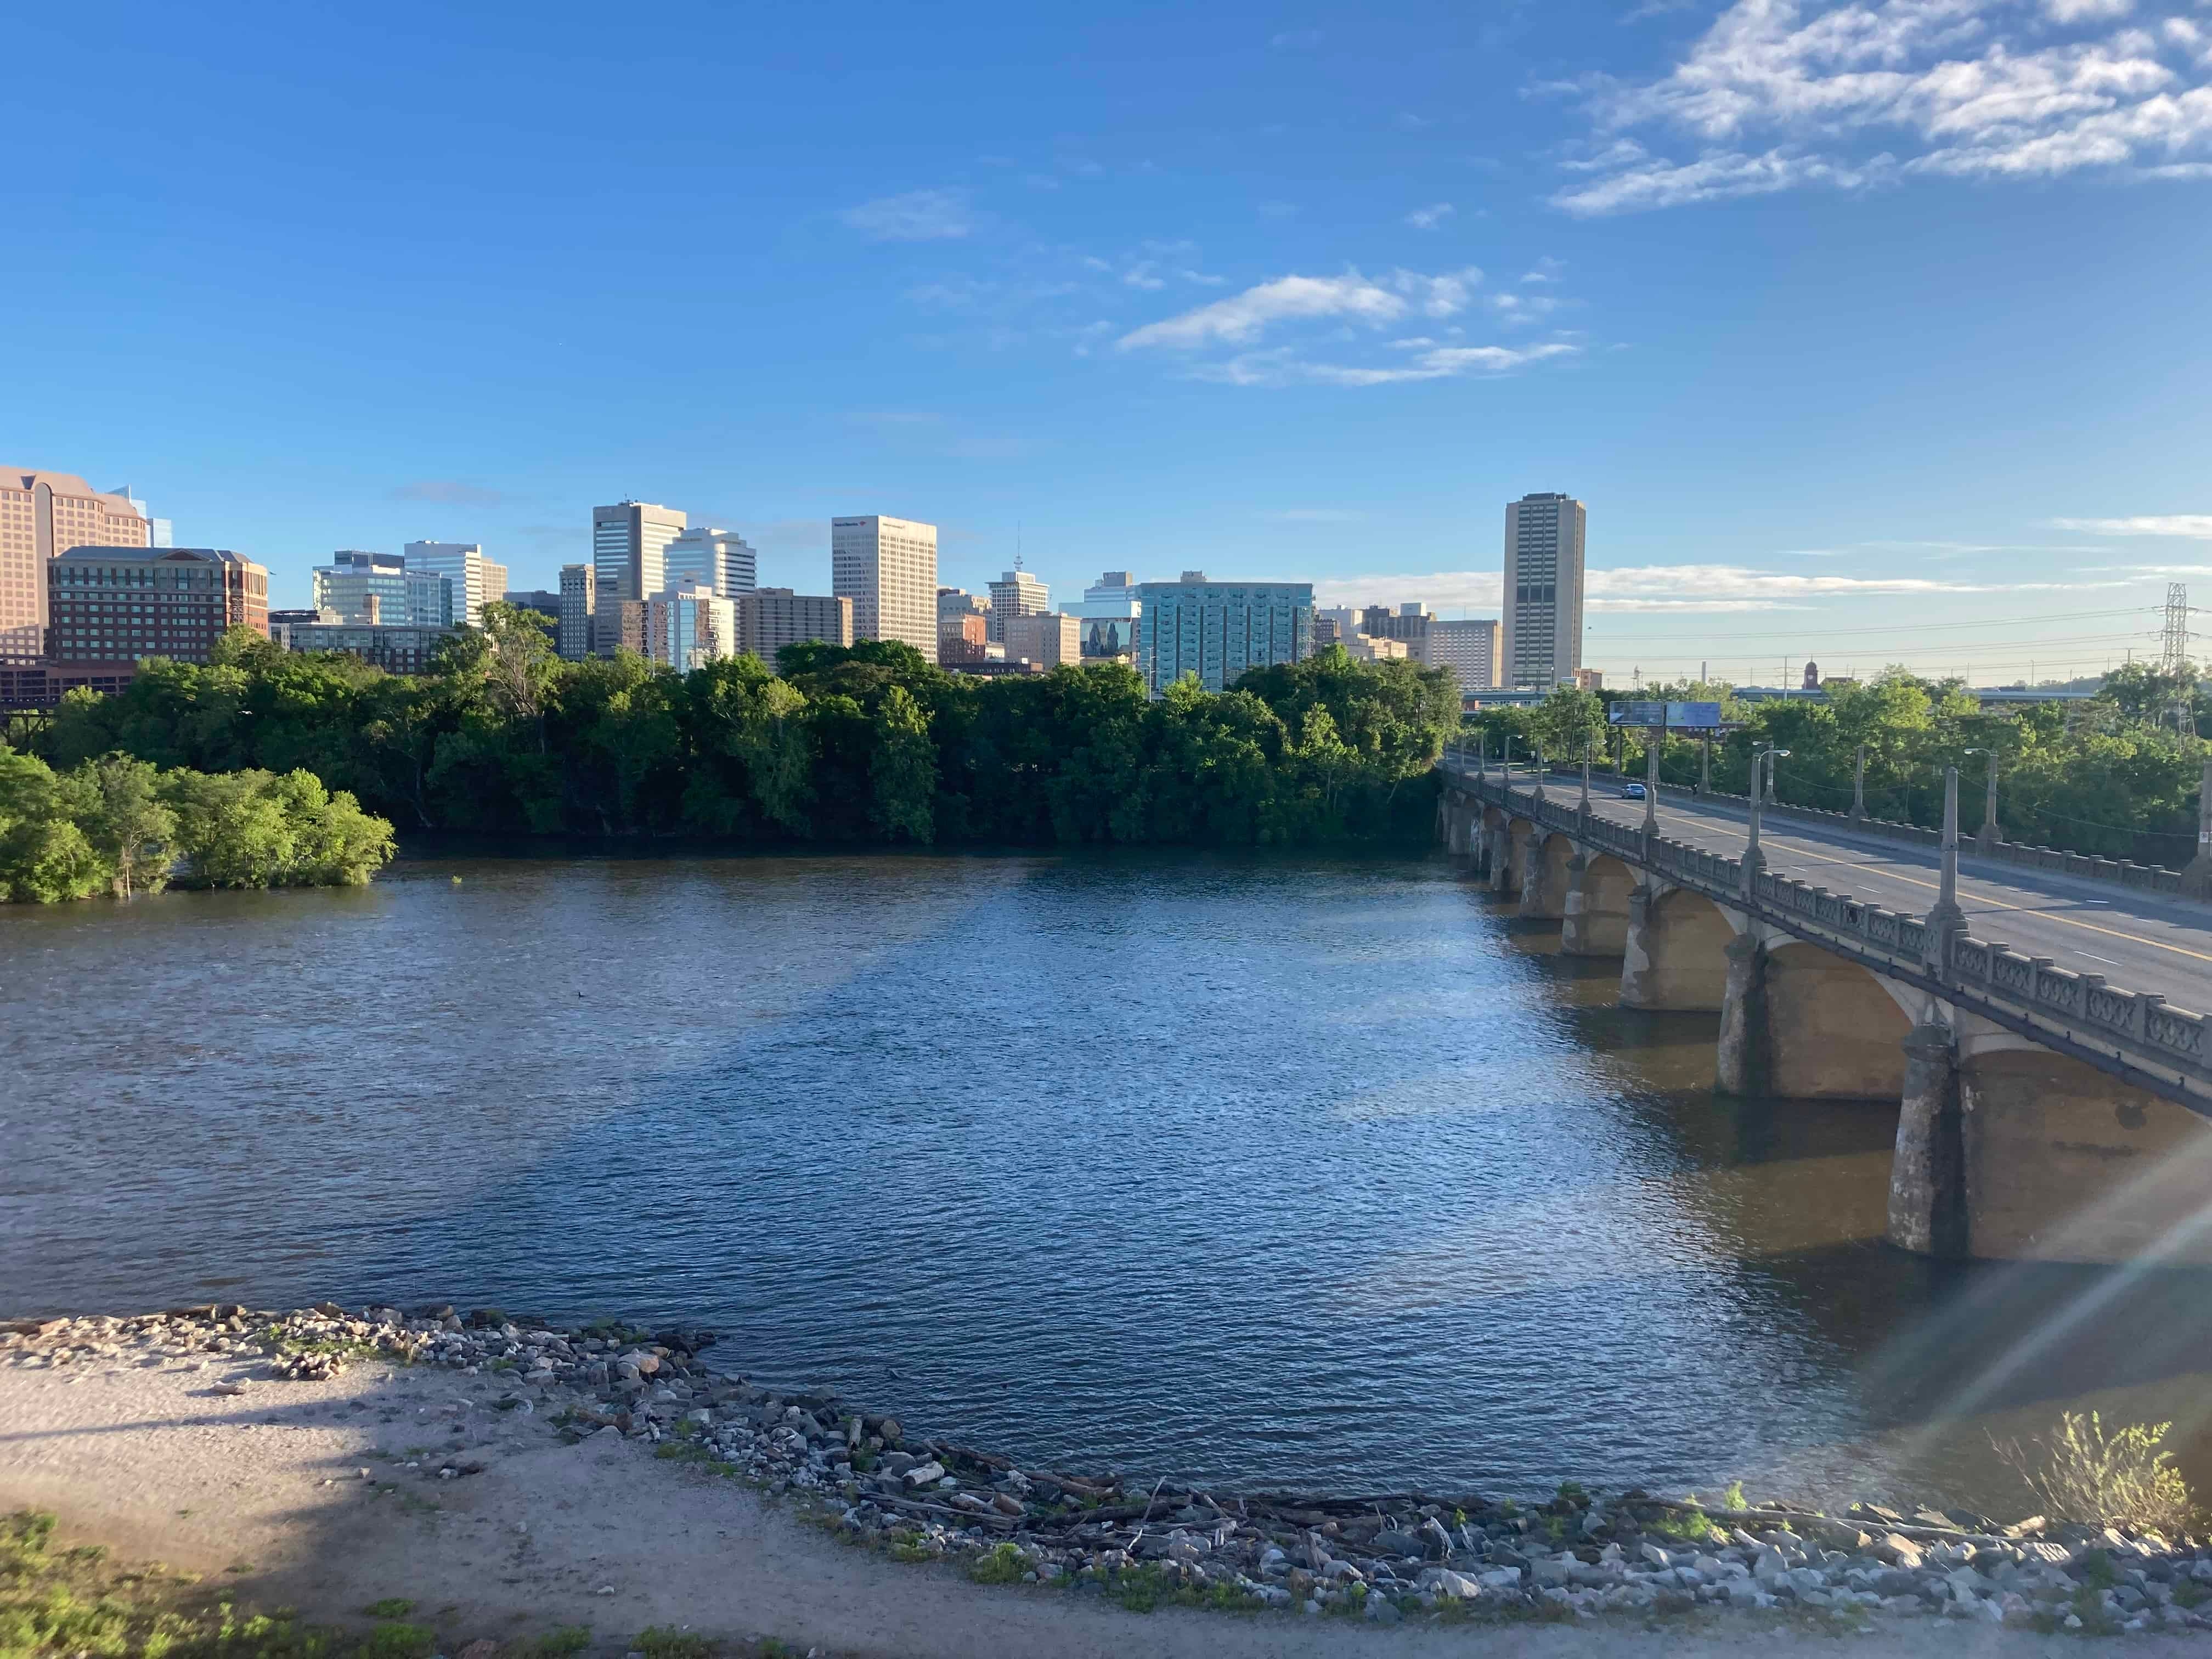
1928, 1210
1744, 1065
1800, 1022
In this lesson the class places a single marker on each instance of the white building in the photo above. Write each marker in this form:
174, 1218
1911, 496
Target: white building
1543, 629
383, 589
888, 568
475, 581
689, 626
1470, 648
629, 542
720, 559
1017, 594
1108, 615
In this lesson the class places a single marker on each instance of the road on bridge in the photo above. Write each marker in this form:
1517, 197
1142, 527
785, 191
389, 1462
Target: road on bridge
2139, 942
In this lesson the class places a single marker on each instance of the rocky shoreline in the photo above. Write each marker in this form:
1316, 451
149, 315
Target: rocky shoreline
1384, 1558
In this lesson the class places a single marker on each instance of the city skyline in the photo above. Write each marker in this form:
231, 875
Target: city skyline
1288, 303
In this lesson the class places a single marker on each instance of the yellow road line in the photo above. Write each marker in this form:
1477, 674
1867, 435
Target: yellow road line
1979, 899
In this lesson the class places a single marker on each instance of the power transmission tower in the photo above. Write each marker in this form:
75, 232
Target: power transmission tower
2174, 655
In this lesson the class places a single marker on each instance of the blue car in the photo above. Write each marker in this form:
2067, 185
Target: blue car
1632, 791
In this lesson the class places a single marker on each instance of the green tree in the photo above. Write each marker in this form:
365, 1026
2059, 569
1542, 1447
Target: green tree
122, 815
902, 772
43, 857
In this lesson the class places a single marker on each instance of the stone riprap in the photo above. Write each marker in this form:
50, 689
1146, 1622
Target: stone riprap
1386, 1559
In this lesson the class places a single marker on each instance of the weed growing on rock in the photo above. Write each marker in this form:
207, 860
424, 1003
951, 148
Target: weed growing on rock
391, 1608
559, 1644
2082, 1474
658, 1642
1003, 1565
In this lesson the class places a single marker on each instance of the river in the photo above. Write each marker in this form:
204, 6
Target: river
1297, 1172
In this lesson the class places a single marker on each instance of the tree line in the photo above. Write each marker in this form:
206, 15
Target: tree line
2109, 775
870, 742
118, 824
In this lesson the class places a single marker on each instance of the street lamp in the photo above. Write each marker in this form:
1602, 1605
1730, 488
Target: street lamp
1586, 757
1754, 862
1988, 838
1946, 918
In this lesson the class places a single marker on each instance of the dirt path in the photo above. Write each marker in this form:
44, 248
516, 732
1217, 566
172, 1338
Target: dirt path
151, 1460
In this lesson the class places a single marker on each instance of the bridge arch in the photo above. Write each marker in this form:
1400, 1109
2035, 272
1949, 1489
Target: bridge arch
1676, 952
1834, 1030
1597, 907
1543, 887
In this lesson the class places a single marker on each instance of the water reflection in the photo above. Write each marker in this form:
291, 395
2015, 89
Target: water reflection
1297, 1171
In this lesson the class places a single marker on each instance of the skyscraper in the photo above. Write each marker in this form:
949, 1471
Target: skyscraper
1544, 589
1017, 594
689, 626
476, 580
1218, 630
629, 541
579, 608
888, 568
43, 514
720, 559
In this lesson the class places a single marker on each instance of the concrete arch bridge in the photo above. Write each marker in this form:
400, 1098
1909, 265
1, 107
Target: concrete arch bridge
2054, 1101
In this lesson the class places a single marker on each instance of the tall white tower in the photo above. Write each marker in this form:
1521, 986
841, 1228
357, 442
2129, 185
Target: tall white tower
888, 568
1543, 629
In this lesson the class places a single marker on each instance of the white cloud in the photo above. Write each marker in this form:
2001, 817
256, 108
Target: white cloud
1432, 216
1243, 318
1286, 367
920, 215
1678, 588
1779, 95
2197, 526
1295, 40
1351, 306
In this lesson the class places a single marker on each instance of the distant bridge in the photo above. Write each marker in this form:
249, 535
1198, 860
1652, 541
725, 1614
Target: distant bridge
2055, 1101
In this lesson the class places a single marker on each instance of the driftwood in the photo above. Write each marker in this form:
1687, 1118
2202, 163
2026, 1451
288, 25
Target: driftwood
990, 1516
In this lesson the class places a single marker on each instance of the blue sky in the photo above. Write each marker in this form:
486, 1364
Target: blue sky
1871, 332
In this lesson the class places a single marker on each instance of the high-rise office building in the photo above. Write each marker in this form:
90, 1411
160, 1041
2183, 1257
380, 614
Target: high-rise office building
164, 532
544, 602
1470, 648
1108, 615
629, 542
578, 607
770, 618
689, 626
1017, 594
43, 514
1219, 630
1048, 638
1544, 536
357, 587
117, 605
720, 559
959, 602
888, 568
475, 580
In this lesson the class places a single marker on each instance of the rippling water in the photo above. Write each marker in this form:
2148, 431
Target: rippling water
1314, 1173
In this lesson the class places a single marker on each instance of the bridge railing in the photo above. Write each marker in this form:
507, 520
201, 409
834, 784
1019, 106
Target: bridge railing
1990, 978
2083, 867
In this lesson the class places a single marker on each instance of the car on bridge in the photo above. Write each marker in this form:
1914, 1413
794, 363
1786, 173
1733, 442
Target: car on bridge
1632, 791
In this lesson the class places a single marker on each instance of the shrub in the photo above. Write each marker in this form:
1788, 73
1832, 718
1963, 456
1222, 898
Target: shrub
2082, 1474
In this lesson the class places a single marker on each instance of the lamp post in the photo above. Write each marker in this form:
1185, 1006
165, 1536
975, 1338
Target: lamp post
1988, 837
1754, 862
1858, 788
1586, 757
1654, 742
1946, 918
